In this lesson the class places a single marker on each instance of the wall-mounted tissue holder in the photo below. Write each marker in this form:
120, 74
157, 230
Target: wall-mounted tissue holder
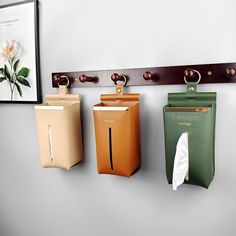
210, 73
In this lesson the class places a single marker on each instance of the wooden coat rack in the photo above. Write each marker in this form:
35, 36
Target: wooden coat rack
210, 73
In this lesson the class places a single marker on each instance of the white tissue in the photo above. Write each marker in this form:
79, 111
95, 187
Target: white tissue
181, 162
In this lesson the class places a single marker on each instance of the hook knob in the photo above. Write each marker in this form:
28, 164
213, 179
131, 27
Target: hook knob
118, 77
230, 72
189, 73
62, 80
84, 78
150, 76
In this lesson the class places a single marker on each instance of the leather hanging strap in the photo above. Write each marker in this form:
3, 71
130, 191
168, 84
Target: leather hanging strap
191, 89
120, 95
63, 95
120, 89
63, 90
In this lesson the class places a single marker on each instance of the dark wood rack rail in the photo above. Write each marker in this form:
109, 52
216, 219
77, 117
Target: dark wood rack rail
210, 73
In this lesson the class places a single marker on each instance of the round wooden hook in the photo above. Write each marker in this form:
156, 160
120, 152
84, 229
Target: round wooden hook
115, 77
230, 72
63, 80
148, 75
84, 78
189, 73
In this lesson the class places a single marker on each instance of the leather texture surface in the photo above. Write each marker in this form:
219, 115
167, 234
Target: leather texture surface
193, 113
59, 131
118, 134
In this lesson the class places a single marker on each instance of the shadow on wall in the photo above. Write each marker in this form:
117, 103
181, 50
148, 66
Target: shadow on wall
151, 140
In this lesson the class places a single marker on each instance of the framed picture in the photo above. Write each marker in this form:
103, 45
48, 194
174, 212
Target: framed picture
19, 53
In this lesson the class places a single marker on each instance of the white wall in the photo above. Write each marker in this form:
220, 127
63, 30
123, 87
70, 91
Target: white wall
85, 35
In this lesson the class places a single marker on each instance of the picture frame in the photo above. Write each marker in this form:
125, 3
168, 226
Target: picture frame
19, 53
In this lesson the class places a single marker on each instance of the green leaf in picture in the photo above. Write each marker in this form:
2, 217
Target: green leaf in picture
2, 78
18, 89
2, 75
24, 72
16, 65
2, 71
23, 81
13, 77
7, 73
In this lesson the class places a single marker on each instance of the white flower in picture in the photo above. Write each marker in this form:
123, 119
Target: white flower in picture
11, 49
10, 72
